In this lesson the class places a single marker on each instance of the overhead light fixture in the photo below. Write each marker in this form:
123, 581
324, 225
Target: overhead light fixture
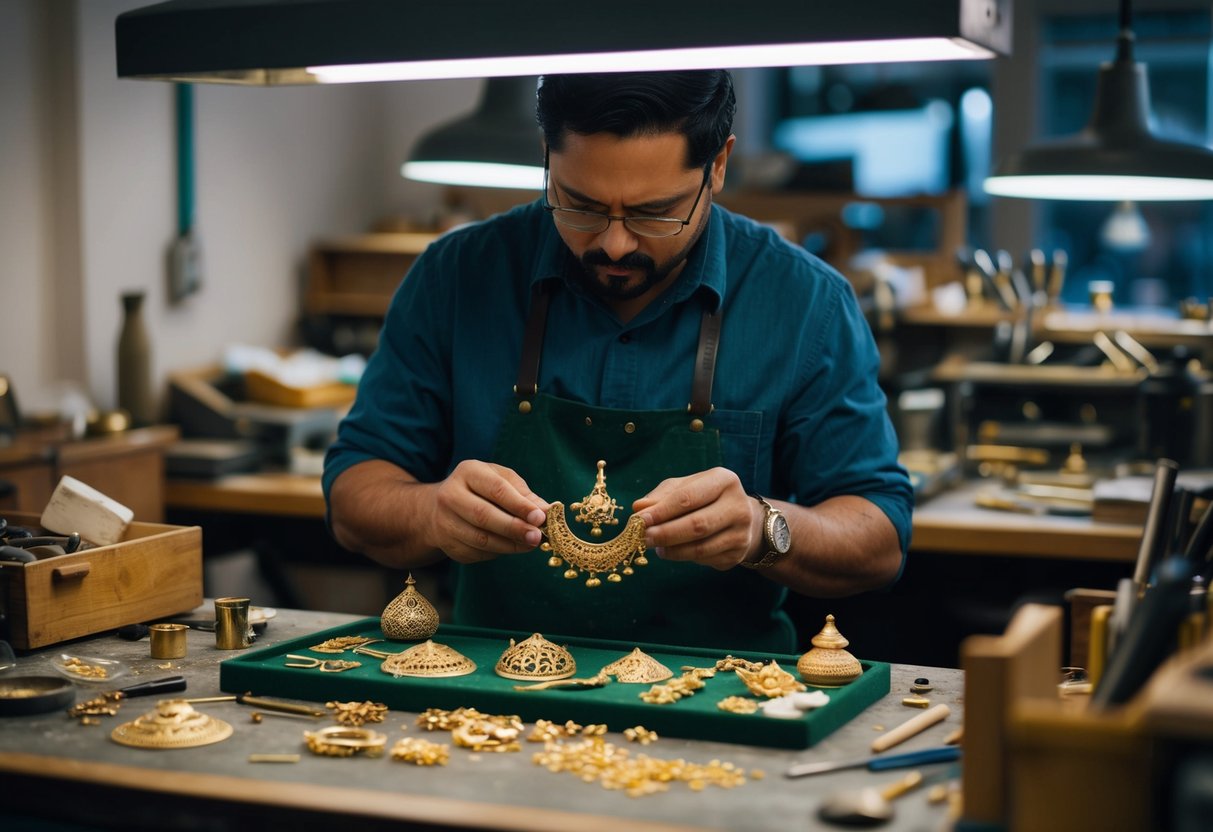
498, 145
331, 41
1117, 156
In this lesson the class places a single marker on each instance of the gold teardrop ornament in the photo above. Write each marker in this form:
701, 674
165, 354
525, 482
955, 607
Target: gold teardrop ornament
613, 558
409, 617
828, 664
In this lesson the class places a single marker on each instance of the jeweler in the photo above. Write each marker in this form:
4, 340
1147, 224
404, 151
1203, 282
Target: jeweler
626, 318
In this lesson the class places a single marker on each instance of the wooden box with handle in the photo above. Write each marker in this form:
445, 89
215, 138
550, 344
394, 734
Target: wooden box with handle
153, 572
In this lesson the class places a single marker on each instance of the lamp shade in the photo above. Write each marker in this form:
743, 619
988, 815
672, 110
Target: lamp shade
1116, 157
311, 41
497, 145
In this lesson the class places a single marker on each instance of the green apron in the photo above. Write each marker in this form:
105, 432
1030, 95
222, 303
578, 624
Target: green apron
555, 444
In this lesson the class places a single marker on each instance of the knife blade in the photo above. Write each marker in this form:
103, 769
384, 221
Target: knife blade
942, 754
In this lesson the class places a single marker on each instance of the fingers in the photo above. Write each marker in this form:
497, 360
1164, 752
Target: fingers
706, 518
484, 510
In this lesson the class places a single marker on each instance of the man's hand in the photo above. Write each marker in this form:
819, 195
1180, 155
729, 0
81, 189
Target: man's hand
483, 510
707, 518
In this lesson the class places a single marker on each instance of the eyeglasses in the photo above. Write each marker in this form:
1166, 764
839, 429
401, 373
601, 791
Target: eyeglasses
595, 223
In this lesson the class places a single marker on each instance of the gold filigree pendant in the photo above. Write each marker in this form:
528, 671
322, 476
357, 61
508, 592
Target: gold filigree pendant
615, 558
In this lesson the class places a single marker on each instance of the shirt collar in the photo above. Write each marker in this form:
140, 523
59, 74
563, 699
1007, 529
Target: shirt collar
705, 271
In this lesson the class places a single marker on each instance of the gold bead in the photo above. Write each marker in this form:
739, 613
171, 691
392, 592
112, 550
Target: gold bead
593, 582
596, 532
570, 573
524, 406
614, 577
554, 561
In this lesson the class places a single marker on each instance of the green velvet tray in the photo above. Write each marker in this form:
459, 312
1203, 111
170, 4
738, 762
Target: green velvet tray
617, 705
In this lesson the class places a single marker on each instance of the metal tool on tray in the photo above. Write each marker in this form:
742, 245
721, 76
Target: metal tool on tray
940, 754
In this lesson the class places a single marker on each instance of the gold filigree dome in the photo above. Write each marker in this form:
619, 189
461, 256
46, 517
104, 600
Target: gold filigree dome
535, 658
410, 616
638, 668
173, 724
429, 659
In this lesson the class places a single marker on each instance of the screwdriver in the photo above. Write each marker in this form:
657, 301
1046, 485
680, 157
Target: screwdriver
942, 754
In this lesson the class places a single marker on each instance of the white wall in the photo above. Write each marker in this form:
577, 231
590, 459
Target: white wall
88, 196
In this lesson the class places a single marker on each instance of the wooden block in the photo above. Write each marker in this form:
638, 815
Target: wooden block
77, 507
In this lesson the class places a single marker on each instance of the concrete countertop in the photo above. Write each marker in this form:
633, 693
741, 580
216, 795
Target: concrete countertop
51, 765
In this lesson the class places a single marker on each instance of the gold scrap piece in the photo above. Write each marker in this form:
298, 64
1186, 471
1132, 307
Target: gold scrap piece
410, 616
342, 643
78, 667
535, 659
421, 752
340, 741
357, 714
640, 734
685, 685
732, 663
173, 724
638, 668
488, 734
738, 705
828, 664
436, 719
106, 704
273, 758
593, 759
916, 702
428, 659
771, 681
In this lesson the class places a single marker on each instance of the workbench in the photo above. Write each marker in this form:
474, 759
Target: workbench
54, 768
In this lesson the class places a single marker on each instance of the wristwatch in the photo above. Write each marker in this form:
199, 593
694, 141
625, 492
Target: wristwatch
776, 534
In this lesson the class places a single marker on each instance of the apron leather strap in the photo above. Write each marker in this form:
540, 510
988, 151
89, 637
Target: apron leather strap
532, 342
532, 348
705, 364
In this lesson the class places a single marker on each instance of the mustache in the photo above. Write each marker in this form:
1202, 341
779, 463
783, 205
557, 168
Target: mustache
632, 260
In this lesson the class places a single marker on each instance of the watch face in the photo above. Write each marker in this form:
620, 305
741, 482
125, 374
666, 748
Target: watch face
781, 535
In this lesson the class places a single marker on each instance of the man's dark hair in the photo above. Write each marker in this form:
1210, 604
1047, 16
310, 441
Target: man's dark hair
698, 104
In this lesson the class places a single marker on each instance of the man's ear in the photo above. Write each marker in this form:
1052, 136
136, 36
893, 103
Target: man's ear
720, 163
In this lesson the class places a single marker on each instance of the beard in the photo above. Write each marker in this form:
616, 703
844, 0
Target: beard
618, 287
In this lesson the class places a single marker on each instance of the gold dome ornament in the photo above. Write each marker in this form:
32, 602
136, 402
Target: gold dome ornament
428, 659
535, 659
409, 617
638, 668
828, 664
615, 557
173, 724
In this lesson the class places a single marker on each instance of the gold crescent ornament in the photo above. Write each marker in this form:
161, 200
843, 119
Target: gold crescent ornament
613, 558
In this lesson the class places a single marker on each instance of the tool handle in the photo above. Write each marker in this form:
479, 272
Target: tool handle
942, 754
168, 684
910, 727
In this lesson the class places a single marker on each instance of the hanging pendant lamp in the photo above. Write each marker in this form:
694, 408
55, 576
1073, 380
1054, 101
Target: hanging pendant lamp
1116, 157
497, 145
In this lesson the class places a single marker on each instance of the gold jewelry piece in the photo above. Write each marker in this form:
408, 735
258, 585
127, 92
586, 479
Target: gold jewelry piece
409, 617
173, 724
488, 735
638, 668
428, 659
828, 664
535, 658
257, 717
343, 643
339, 741
323, 665
771, 681
357, 714
596, 681
598, 507
615, 558
738, 705
421, 752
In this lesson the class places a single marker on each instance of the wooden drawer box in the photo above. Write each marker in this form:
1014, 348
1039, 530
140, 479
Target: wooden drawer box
154, 572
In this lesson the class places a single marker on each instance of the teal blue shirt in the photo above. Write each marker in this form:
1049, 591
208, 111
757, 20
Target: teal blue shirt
796, 397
